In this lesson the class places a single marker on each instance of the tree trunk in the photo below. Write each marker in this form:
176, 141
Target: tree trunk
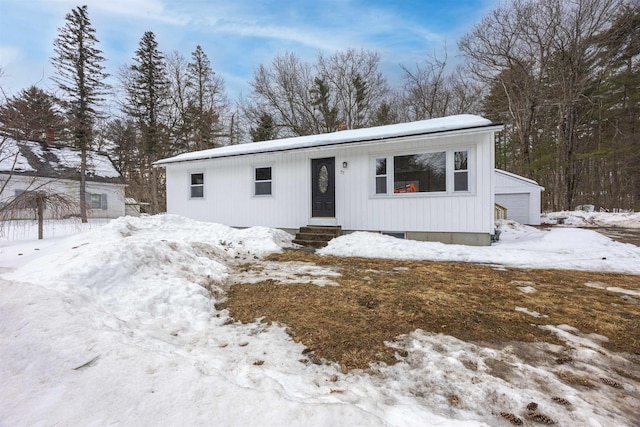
155, 205
40, 209
83, 183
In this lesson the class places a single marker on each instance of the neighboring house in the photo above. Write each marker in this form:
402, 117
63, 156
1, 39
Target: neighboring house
32, 166
426, 180
519, 195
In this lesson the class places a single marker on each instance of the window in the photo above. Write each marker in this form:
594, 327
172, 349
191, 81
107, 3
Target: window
420, 173
96, 201
263, 181
381, 176
197, 185
461, 171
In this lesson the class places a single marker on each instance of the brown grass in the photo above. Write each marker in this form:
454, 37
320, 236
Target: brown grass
377, 300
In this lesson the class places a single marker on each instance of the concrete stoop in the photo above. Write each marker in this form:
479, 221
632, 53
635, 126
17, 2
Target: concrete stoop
316, 236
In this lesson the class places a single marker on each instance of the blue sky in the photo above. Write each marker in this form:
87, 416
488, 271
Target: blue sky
236, 35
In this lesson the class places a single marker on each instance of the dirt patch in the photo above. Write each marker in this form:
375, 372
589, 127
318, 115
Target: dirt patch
624, 235
377, 300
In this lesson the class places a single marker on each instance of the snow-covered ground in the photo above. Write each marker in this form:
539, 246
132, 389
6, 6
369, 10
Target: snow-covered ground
117, 325
580, 218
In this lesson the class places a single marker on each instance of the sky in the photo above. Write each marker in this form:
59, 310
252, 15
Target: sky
114, 326
238, 35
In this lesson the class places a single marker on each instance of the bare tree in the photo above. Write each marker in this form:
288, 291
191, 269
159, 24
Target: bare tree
304, 98
37, 200
539, 59
179, 122
283, 91
425, 90
358, 85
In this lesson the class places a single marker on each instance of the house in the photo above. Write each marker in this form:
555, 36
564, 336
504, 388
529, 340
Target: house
426, 180
519, 195
42, 166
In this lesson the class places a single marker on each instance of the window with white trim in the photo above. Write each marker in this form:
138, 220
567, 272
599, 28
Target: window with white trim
461, 171
381, 176
262, 181
96, 201
196, 187
420, 173
432, 172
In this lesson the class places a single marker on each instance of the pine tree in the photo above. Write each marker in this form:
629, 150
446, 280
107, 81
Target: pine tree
324, 103
147, 91
27, 115
265, 129
80, 75
206, 90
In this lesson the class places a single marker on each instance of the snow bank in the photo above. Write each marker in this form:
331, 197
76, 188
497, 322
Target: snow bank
115, 326
580, 218
519, 246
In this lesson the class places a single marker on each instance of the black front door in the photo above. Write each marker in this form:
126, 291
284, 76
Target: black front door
323, 191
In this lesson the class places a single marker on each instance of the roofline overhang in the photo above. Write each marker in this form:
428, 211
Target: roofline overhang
496, 125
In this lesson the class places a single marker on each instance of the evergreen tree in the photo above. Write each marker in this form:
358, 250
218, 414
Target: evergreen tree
322, 101
146, 88
619, 94
80, 75
206, 102
385, 114
27, 115
265, 129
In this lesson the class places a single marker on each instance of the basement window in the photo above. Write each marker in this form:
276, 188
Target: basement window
262, 181
197, 186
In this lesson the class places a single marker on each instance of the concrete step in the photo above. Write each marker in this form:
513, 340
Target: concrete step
317, 236
311, 243
317, 229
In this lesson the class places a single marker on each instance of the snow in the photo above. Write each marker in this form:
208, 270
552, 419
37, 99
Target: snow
457, 122
59, 158
584, 218
115, 323
11, 158
519, 246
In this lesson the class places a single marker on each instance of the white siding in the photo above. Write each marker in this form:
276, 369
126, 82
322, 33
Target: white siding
228, 191
520, 196
114, 194
517, 206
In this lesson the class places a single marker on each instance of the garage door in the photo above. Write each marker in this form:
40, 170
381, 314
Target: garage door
517, 206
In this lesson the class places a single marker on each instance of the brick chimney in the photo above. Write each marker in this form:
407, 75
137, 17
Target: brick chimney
50, 136
342, 126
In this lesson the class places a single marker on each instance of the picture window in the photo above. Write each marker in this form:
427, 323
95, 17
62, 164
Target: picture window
420, 173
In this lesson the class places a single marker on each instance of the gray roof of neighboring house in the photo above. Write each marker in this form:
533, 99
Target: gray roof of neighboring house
33, 158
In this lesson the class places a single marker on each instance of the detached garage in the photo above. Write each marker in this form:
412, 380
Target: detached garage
519, 195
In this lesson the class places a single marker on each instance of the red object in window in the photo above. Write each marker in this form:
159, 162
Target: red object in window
409, 188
